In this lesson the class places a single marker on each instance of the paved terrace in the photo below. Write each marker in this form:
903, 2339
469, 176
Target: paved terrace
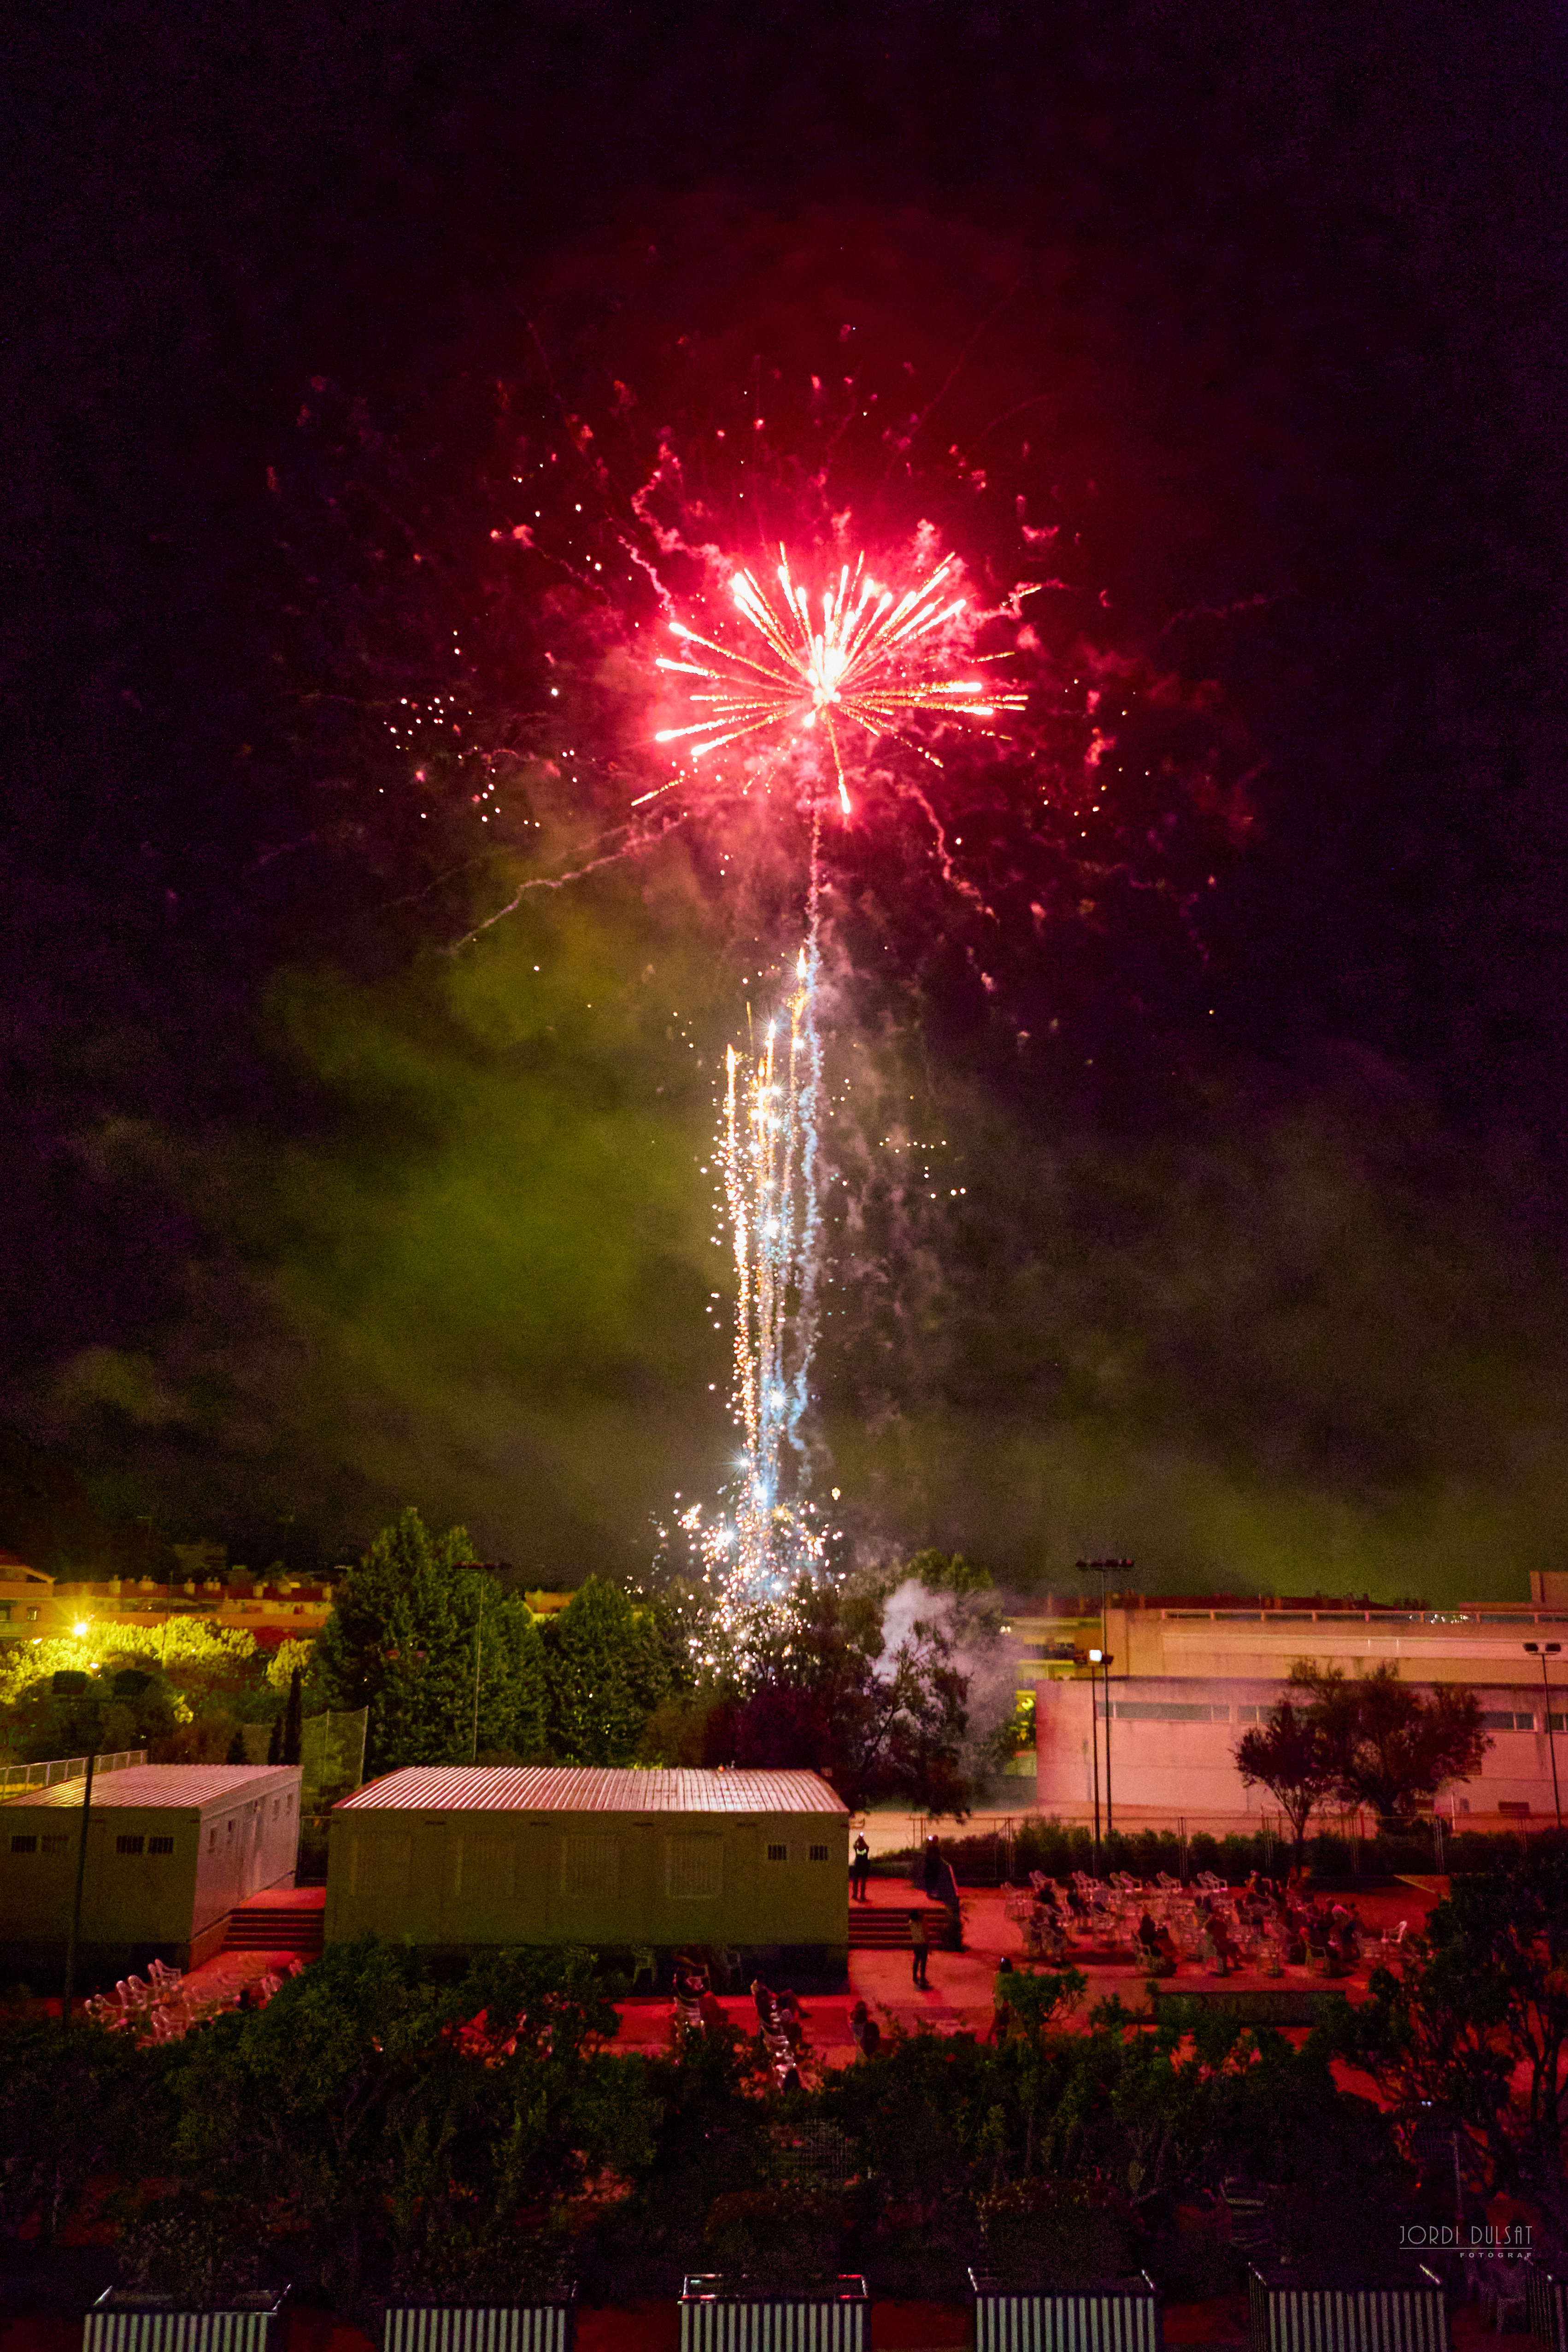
958, 2000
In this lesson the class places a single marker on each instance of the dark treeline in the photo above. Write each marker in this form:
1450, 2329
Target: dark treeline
381, 2130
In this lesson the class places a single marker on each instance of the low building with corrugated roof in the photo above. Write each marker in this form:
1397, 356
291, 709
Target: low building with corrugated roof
456, 1857
171, 1849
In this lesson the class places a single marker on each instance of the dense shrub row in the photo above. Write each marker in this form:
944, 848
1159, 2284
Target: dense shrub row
378, 2131
1060, 1847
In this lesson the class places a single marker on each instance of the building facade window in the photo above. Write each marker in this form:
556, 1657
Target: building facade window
160, 1845
819, 1853
128, 1842
23, 1845
56, 1844
381, 1865
778, 1854
693, 1868
591, 1865
487, 1864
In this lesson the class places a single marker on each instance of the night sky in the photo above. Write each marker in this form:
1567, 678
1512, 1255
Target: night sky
1197, 1158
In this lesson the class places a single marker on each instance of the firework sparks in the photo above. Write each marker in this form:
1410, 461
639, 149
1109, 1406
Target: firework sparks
769, 1161
872, 661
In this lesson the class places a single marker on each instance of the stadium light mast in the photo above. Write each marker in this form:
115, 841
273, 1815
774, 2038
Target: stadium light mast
1105, 1570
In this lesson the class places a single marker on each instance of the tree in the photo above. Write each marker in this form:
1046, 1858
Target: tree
1476, 2025
1287, 1754
595, 1660
1389, 1744
826, 1696
418, 2133
288, 1748
401, 1641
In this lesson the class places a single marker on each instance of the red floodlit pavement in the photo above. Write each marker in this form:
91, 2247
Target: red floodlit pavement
958, 1999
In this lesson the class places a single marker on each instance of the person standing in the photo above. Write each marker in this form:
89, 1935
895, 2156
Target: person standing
945, 1892
1001, 2002
860, 1870
919, 1948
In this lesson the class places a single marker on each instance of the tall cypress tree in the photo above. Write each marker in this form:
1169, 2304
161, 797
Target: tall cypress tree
401, 1641
293, 1715
595, 1716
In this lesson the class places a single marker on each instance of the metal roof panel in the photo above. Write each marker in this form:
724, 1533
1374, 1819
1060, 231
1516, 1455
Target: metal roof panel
187, 1785
589, 1788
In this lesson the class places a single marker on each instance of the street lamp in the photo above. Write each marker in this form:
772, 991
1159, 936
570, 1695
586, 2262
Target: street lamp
1104, 1659
1545, 1650
1094, 1745
1103, 1569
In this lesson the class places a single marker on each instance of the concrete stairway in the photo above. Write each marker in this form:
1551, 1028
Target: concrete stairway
290, 1921
880, 1928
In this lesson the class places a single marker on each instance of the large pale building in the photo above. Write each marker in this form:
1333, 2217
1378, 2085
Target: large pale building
1187, 1677
460, 1857
172, 1849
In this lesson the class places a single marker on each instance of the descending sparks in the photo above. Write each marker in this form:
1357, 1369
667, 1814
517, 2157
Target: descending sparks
769, 1161
862, 656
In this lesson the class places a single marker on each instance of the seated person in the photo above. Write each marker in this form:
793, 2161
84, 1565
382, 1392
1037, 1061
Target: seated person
864, 2031
791, 2018
1214, 1948
767, 2006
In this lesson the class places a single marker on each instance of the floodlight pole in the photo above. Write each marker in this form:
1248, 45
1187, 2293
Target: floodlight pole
1545, 1650
1102, 1568
1094, 1745
76, 1903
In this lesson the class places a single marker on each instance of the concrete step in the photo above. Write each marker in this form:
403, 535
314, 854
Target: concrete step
876, 1929
253, 1930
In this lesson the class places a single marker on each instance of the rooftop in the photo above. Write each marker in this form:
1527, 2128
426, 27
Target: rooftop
187, 1785
584, 1789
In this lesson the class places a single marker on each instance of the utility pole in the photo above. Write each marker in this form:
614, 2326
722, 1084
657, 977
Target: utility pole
478, 1633
1094, 1742
1104, 1568
76, 1903
1545, 1650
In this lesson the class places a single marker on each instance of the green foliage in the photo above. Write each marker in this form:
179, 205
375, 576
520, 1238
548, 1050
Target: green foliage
288, 1745
941, 1571
379, 2130
401, 1641
71, 2107
1476, 2024
1287, 1754
404, 2125
1389, 1745
601, 1670
826, 1696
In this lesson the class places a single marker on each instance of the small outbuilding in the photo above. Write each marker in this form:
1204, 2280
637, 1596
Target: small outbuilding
454, 1857
172, 1848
